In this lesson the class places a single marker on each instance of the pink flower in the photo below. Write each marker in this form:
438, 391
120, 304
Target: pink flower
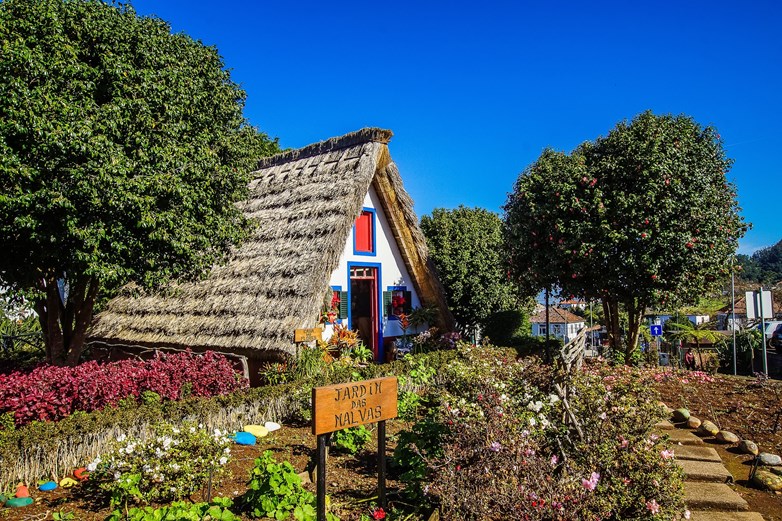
652, 506
667, 454
591, 483
623, 443
495, 446
554, 460
686, 514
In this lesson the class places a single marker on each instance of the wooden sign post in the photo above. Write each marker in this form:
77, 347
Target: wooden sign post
337, 407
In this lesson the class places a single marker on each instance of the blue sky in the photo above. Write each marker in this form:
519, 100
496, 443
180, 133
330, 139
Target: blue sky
475, 91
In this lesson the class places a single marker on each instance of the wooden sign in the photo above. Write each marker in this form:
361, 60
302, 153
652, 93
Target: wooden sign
307, 335
340, 406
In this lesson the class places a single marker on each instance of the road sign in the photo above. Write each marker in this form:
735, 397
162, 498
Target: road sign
657, 330
757, 306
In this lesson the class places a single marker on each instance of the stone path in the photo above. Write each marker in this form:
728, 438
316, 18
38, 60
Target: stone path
706, 491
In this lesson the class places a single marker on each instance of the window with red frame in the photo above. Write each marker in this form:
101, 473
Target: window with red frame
365, 233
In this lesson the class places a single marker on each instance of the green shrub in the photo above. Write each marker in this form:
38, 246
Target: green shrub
351, 440
217, 510
507, 328
275, 491
172, 464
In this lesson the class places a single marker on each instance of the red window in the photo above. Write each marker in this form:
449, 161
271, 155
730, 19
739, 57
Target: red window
364, 230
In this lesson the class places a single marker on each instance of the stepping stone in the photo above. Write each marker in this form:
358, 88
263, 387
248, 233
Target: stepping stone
710, 515
696, 453
702, 496
705, 471
684, 437
664, 425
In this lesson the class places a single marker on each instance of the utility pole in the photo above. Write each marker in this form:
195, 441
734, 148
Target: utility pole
548, 326
733, 310
763, 329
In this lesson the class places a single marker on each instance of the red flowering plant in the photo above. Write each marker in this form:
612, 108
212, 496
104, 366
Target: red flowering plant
50, 393
330, 313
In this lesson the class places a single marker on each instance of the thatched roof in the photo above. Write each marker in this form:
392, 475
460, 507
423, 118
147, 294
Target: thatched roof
305, 202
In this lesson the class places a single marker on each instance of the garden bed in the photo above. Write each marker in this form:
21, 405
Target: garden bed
749, 407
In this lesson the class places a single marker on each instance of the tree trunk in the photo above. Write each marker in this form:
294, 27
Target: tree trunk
611, 312
635, 312
65, 326
698, 350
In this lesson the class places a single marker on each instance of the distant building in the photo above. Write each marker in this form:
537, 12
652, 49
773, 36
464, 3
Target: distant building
725, 318
573, 304
563, 323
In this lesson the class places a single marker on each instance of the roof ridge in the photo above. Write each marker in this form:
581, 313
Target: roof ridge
359, 137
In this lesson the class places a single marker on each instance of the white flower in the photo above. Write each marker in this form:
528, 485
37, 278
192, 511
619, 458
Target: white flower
553, 398
121, 437
192, 429
117, 475
218, 433
532, 421
223, 460
535, 406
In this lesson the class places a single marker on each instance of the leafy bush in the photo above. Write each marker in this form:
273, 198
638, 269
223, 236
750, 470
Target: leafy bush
499, 443
275, 491
746, 341
217, 510
50, 393
507, 328
172, 464
351, 440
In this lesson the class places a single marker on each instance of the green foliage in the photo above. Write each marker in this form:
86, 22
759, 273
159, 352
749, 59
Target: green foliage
275, 491
423, 441
639, 217
351, 440
63, 516
467, 248
746, 341
122, 152
172, 464
763, 266
217, 510
507, 328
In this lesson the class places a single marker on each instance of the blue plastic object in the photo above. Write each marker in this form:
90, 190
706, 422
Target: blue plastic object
244, 438
49, 485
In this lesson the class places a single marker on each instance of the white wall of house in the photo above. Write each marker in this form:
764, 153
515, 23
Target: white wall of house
695, 319
566, 332
393, 271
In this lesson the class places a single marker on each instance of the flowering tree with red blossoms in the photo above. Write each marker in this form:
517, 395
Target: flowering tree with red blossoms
638, 218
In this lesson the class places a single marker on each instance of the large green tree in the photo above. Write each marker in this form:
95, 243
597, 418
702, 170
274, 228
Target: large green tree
640, 217
122, 152
466, 245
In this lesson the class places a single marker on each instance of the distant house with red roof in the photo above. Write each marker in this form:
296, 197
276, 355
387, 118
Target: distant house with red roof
573, 303
563, 323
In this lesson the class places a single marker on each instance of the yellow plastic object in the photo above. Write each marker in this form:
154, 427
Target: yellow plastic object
259, 431
67, 482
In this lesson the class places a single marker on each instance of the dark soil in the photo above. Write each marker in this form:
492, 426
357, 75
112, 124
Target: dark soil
748, 407
351, 480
